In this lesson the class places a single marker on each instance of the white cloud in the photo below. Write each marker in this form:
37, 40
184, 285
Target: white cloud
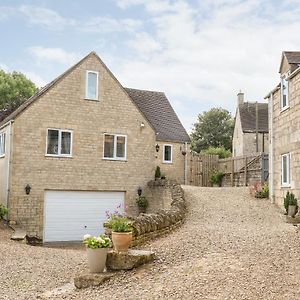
209, 51
47, 18
144, 44
37, 79
54, 55
6, 12
107, 25
4, 67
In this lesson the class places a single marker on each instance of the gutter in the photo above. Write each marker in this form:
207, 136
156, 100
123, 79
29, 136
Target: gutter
6, 124
294, 73
272, 92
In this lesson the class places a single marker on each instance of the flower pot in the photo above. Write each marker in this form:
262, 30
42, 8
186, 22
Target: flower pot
292, 210
97, 259
121, 240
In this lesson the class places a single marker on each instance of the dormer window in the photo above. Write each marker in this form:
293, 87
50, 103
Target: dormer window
284, 92
91, 92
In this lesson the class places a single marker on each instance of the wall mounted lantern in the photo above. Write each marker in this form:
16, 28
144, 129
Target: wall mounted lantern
157, 147
27, 189
139, 191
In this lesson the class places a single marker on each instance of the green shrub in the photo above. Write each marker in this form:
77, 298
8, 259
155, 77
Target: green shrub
157, 172
142, 202
3, 211
216, 178
264, 193
220, 151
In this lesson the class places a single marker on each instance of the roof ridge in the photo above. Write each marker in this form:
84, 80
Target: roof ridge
143, 90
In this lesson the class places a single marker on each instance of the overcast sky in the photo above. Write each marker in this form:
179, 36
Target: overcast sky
199, 52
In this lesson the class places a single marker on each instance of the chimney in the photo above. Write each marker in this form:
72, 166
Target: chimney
240, 98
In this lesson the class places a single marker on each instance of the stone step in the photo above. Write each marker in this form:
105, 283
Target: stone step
18, 235
128, 260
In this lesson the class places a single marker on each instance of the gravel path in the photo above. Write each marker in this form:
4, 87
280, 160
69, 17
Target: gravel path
231, 247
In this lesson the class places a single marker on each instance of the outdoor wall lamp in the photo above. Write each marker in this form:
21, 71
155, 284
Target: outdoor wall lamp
157, 147
27, 189
139, 191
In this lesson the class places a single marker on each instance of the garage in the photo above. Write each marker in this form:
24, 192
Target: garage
69, 215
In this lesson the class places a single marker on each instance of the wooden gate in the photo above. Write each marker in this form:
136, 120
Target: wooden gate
202, 167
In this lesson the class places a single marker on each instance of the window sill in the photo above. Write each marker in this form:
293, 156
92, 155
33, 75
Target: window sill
115, 159
2, 156
58, 156
167, 162
89, 99
285, 185
284, 109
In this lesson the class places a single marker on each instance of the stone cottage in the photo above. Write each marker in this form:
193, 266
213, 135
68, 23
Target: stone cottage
284, 124
250, 128
83, 145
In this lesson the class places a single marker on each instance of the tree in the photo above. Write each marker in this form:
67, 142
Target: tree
220, 151
213, 129
15, 88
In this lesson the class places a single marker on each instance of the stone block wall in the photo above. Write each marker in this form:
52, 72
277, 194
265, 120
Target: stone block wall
157, 223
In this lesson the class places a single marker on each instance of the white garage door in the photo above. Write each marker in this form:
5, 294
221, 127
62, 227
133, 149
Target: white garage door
69, 215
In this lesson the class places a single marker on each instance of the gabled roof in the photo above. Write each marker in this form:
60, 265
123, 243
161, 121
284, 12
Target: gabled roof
248, 117
292, 57
159, 112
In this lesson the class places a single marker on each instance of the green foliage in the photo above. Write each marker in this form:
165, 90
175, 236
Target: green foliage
216, 178
94, 242
290, 199
119, 223
142, 202
157, 172
15, 88
213, 129
264, 193
220, 151
3, 211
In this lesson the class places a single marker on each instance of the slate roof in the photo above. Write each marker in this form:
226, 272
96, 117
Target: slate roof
293, 57
157, 109
248, 117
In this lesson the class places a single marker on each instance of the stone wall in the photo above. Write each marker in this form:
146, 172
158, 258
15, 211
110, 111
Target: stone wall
157, 223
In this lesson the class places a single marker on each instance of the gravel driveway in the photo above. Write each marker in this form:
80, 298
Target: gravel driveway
232, 246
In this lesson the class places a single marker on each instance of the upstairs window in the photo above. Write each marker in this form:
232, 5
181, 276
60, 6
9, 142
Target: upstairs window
115, 146
285, 170
59, 142
2, 144
168, 153
284, 91
91, 92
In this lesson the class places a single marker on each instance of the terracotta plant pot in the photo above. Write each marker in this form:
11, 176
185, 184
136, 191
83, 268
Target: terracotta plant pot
97, 259
121, 240
292, 210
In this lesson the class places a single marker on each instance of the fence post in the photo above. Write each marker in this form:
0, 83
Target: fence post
232, 171
246, 171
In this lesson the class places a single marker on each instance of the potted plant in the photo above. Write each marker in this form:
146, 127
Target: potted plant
142, 203
216, 178
3, 211
290, 204
97, 248
157, 173
121, 232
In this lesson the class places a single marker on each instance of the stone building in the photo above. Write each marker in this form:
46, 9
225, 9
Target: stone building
245, 141
284, 124
82, 145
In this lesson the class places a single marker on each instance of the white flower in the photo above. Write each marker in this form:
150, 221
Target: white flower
100, 239
86, 236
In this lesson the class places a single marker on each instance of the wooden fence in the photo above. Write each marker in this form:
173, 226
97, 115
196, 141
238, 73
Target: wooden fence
239, 171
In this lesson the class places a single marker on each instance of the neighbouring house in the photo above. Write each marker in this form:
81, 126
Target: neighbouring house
250, 136
284, 124
83, 145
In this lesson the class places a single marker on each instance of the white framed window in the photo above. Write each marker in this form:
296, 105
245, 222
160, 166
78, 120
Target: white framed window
284, 91
59, 142
115, 146
286, 169
91, 88
168, 154
2, 144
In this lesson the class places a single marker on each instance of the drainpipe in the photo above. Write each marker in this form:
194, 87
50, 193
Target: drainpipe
9, 164
271, 151
185, 163
256, 125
